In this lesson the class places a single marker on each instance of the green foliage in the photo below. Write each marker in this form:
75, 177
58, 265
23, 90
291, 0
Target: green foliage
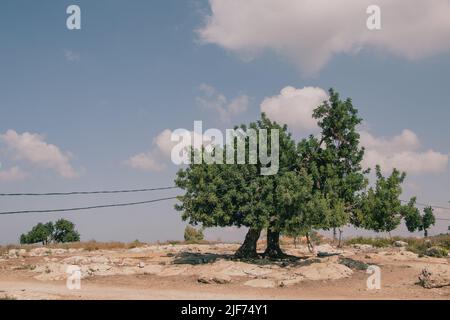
428, 219
375, 242
221, 195
193, 235
320, 184
65, 232
381, 204
303, 209
40, 233
414, 221
60, 232
333, 160
437, 252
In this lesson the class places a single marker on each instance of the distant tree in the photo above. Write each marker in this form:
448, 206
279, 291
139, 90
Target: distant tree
62, 231
192, 234
428, 220
40, 233
412, 217
414, 221
382, 207
65, 231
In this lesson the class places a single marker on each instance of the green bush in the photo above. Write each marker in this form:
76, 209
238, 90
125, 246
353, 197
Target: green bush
437, 252
193, 235
61, 232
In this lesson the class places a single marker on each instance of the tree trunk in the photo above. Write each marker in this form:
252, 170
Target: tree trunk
340, 238
248, 249
425, 233
334, 235
273, 249
309, 243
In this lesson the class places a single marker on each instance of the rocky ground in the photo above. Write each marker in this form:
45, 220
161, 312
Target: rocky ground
209, 272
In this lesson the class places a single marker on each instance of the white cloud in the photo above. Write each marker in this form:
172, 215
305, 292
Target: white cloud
12, 174
71, 55
146, 161
401, 152
294, 107
33, 149
214, 100
157, 158
309, 32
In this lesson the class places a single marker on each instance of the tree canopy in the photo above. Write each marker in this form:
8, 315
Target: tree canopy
320, 184
59, 232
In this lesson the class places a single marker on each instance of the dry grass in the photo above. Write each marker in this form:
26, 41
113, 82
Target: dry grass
91, 245
416, 245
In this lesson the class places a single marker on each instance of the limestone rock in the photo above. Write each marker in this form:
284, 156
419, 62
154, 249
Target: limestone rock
434, 277
261, 283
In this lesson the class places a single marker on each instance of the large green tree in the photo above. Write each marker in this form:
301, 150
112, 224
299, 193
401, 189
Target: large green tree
223, 195
333, 159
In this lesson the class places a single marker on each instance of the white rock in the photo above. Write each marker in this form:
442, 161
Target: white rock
261, 283
210, 278
400, 244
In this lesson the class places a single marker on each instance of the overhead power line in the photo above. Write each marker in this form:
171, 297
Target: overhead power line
428, 205
86, 192
88, 208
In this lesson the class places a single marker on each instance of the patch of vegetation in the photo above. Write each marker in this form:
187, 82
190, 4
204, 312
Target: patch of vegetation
353, 264
435, 246
197, 258
193, 235
375, 242
61, 231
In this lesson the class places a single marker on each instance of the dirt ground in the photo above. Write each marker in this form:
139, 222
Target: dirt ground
208, 272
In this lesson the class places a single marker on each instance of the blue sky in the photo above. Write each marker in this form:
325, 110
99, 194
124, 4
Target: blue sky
103, 93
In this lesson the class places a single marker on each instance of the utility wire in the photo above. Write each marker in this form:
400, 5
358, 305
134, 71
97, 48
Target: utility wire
428, 205
85, 192
88, 208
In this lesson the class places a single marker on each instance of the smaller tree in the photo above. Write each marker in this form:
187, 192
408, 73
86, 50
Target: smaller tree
39, 233
428, 220
192, 234
65, 231
62, 231
381, 205
414, 221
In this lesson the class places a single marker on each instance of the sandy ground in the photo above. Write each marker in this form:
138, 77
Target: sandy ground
172, 272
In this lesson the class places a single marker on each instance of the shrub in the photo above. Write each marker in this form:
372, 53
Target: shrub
193, 235
437, 252
376, 242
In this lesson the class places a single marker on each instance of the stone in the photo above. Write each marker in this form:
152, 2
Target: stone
261, 283
141, 265
434, 277
324, 271
211, 279
291, 282
363, 247
400, 244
